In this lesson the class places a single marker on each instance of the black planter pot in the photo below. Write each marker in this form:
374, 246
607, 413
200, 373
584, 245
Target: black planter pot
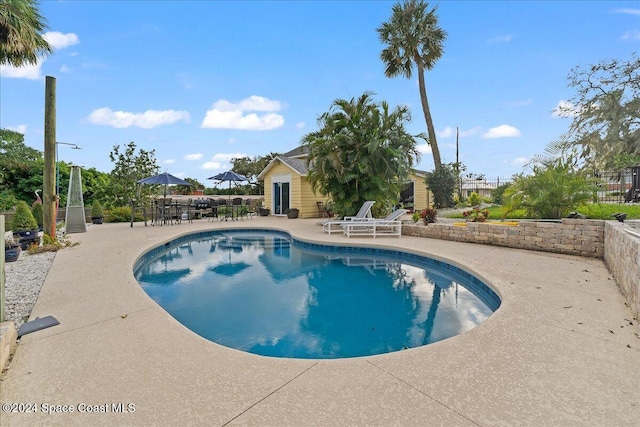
97, 219
264, 212
12, 253
27, 233
26, 242
292, 213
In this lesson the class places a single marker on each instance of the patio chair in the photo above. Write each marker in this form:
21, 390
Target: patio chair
321, 210
363, 214
236, 208
391, 225
213, 205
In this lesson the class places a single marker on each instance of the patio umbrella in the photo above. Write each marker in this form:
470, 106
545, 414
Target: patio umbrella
164, 179
231, 177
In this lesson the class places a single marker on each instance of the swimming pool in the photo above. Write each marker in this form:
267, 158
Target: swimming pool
263, 292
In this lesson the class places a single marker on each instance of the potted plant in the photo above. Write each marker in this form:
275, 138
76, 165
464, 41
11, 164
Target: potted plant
428, 215
97, 216
11, 250
292, 213
25, 225
264, 211
38, 212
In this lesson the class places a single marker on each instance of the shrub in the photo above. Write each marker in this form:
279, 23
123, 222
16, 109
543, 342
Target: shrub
123, 214
7, 201
96, 210
442, 184
474, 199
497, 193
23, 219
37, 211
476, 214
428, 215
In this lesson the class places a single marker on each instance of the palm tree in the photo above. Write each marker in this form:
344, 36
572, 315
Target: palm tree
21, 27
412, 36
361, 152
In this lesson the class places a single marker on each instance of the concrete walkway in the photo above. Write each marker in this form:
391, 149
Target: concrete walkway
560, 351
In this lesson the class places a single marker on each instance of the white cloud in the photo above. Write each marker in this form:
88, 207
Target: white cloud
300, 125
222, 161
196, 156
628, 11
502, 131
519, 161
446, 132
424, 148
59, 40
228, 115
20, 128
31, 72
565, 109
631, 35
64, 69
212, 165
169, 161
147, 120
505, 38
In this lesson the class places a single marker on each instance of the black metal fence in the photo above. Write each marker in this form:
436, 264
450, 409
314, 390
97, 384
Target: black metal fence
613, 186
482, 186
618, 186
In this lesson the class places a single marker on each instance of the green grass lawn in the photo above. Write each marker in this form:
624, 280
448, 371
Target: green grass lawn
592, 211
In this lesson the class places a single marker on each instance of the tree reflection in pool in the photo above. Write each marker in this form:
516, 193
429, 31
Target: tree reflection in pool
263, 292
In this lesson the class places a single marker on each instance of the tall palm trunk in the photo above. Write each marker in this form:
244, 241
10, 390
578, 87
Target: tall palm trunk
427, 117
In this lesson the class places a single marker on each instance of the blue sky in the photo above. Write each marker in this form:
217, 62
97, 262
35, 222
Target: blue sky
202, 82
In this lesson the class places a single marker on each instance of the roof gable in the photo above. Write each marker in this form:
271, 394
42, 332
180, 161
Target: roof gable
299, 166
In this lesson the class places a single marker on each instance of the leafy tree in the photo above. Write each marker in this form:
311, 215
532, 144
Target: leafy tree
128, 169
413, 37
361, 152
558, 184
188, 189
605, 110
12, 148
21, 28
442, 183
251, 168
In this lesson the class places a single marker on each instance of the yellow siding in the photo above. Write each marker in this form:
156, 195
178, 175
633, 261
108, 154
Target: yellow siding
421, 195
302, 196
309, 208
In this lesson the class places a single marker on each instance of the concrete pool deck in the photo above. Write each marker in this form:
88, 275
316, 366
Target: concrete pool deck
560, 350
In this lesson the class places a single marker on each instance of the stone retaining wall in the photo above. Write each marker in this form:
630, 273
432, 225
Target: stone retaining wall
622, 256
571, 236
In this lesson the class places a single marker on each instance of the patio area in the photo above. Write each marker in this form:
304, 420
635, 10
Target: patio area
563, 349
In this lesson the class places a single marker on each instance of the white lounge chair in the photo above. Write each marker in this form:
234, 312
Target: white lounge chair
363, 214
389, 226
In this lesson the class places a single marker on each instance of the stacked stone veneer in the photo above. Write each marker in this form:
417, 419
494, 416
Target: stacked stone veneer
571, 236
622, 256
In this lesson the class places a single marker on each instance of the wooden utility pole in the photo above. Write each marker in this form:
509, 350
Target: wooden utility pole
50, 202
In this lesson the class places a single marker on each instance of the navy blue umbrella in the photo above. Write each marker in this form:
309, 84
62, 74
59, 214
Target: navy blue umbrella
229, 176
164, 179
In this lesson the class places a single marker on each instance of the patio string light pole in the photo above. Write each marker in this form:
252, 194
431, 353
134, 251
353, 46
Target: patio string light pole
48, 182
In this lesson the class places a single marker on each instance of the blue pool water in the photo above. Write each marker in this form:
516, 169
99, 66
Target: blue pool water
263, 292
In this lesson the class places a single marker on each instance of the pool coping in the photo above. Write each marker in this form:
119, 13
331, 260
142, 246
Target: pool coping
559, 350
